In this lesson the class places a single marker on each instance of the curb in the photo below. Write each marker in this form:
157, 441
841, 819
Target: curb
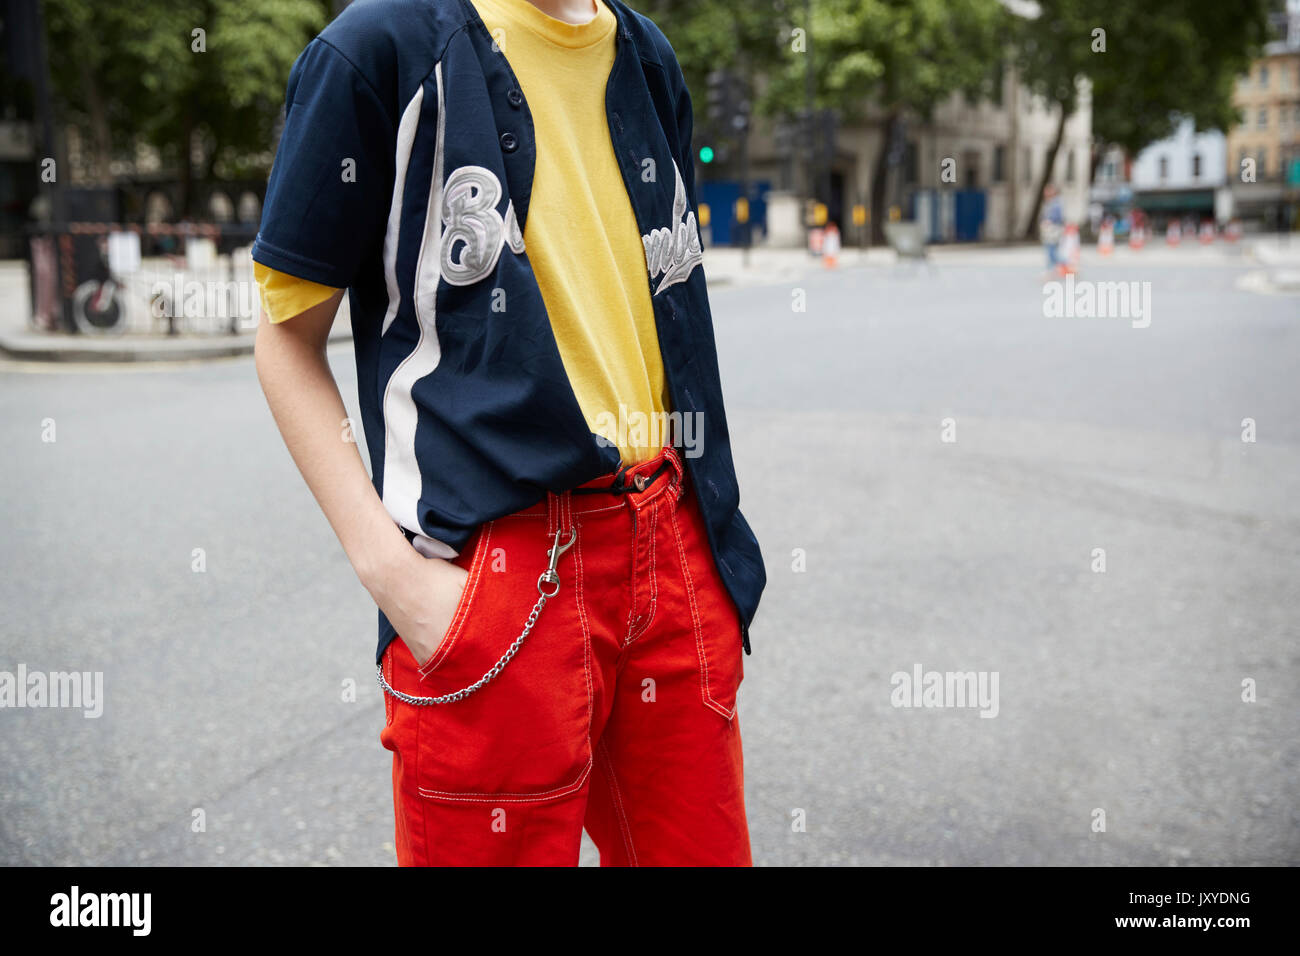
58, 348
127, 349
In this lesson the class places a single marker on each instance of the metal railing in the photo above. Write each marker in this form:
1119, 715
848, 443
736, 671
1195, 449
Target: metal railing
98, 278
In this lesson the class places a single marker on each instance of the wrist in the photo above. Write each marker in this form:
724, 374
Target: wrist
377, 564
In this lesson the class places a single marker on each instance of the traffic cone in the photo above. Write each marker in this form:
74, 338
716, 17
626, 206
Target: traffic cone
1137, 237
1173, 234
1106, 240
831, 246
1207, 232
1068, 251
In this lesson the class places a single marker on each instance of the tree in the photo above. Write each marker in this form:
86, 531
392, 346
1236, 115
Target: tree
900, 57
713, 34
178, 74
1155, 63
709, 35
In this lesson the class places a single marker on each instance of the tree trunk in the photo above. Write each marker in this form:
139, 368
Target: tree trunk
101, 138
879, 172
1031, 227
186, 163
1098, 154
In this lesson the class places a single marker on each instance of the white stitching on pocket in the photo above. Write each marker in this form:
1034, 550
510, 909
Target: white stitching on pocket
461, 614
705, 692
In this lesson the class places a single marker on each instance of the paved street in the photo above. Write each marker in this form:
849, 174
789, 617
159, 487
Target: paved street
1118, 691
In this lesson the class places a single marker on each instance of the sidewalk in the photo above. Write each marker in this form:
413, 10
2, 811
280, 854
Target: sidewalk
18, 340
724, 267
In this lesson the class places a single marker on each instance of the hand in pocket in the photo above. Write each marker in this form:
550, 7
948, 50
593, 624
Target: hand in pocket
420, 599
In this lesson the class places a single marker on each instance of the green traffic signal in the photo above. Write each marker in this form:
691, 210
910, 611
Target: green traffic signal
706, 154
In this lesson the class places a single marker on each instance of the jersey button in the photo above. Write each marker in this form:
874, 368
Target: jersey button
509, 142
515, 97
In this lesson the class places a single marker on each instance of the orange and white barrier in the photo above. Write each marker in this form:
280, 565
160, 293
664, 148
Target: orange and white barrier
1106, 240
831, 247
1207, 232
816, 240
1173, 234
1067, 251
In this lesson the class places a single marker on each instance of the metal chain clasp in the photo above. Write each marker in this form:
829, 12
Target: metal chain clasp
549, 576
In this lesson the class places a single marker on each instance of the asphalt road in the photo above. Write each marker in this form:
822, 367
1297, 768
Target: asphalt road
1118, 691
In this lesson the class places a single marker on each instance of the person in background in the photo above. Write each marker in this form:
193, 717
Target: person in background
1051, 226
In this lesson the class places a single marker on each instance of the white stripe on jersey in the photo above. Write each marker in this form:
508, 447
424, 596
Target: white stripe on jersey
402, 482
405, 139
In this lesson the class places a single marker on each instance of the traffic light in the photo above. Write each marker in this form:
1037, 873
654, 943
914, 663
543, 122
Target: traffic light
727, 109
718, 98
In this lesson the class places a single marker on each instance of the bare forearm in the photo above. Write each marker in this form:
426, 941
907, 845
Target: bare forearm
309, 411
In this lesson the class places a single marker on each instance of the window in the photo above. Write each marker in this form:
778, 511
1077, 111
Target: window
1263, 76
999, 164
1164, 167
1261, 120
970, 161
999, 80
1196, 166
1261, 161
1069, 166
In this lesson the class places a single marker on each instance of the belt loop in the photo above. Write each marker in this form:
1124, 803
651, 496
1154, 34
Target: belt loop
671, 454
552, 514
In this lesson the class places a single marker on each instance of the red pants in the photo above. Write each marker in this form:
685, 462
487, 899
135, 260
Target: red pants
618, 712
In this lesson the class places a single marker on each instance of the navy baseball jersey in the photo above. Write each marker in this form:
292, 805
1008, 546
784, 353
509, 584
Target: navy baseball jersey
404, 174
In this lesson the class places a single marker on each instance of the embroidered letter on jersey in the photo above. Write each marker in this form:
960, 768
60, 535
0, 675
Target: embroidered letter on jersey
470, 215
675, 250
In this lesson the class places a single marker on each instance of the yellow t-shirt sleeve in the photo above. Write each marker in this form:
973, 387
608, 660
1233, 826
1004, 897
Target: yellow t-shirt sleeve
284, 296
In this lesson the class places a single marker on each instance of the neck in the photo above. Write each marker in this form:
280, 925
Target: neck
570, 11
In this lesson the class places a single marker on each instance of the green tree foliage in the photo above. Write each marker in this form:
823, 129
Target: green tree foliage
1163, 60
134, 72
713, 34
900, 58
896, 57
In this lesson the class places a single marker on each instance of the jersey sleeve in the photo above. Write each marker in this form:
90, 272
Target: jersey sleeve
328, 195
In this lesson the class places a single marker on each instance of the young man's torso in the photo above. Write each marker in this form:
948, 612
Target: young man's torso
437, 177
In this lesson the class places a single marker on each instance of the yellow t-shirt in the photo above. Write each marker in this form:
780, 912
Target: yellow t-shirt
581, 235
284, 296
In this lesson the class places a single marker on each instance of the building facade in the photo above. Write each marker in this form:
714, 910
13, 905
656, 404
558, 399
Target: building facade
1263, 150
971, 172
